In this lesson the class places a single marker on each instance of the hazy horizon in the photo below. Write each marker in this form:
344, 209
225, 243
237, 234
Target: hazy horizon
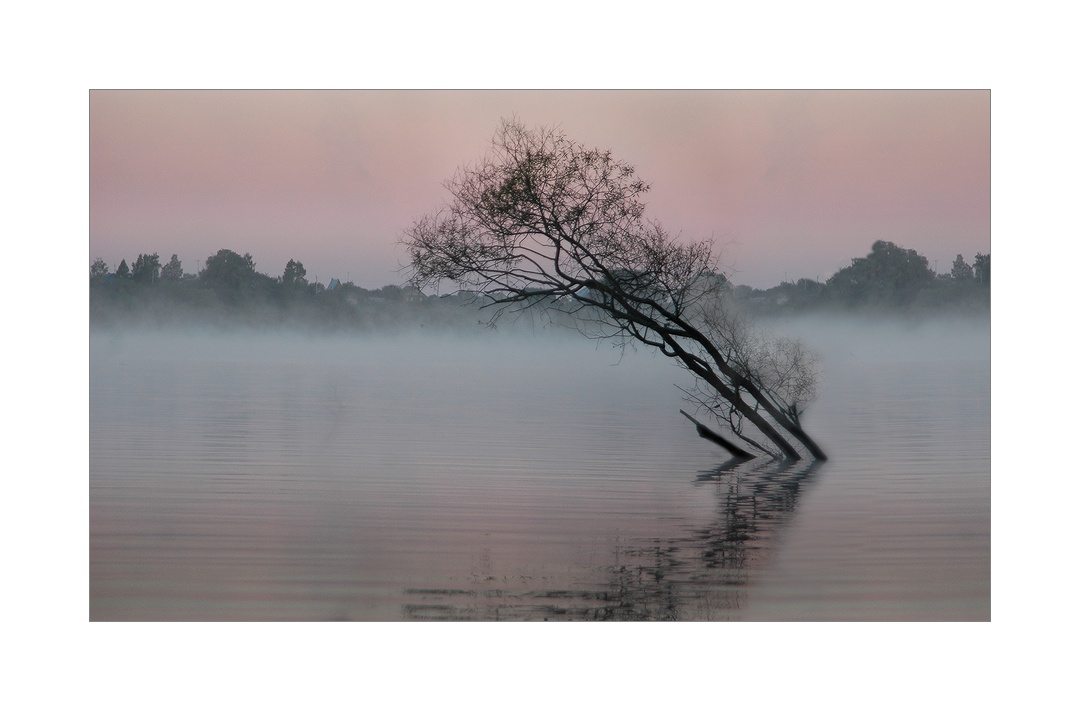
790, 184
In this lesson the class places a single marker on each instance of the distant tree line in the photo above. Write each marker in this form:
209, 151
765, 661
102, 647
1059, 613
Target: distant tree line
889, 278
229, 289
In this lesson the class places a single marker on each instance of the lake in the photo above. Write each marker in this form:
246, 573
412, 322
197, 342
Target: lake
281, 476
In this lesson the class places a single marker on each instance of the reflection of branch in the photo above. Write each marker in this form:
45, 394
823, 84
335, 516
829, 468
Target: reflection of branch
699, 575
755, 502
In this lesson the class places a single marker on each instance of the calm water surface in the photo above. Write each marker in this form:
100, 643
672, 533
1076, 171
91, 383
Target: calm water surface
283, 477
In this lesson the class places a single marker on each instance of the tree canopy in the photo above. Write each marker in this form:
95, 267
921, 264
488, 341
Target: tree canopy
961, 270
982, 269
147, 268
98, 270
889, 274
294, 276
228, 273
544, 221
173, 271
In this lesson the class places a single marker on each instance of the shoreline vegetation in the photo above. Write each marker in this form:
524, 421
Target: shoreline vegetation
229, 292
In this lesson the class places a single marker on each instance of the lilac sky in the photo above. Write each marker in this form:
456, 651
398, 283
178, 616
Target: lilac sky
789, 184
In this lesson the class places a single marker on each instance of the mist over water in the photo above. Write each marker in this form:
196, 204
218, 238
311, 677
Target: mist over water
904, 509
534, 475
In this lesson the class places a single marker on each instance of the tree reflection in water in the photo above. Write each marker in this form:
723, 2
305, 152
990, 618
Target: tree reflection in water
699, 576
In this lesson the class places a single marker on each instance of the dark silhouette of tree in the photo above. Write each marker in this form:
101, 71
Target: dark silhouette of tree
982, 269
232, 276
545, 222
98, 270
888, 275
173, 271
390, 292
147, 269
295, 276
961, 270
122, 271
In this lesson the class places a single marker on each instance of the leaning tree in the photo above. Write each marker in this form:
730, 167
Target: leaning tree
544, 222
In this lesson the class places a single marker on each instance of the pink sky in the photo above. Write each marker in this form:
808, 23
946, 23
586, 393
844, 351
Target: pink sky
789, 183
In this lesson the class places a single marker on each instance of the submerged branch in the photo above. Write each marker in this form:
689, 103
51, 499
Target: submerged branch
706, 433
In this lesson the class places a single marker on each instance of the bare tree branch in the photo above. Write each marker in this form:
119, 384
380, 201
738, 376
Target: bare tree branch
546, 223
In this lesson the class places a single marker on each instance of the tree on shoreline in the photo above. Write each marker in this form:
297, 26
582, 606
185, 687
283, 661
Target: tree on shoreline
889, 274
982, 269
961, 270
98, 270
232, 276
545, 222
147, 269
172, 272
294, 276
